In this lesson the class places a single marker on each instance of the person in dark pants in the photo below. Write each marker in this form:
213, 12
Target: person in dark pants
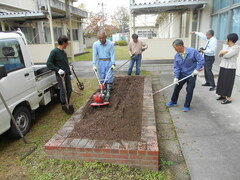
209, 52
228, 67
136, 47
187, 61
58, 62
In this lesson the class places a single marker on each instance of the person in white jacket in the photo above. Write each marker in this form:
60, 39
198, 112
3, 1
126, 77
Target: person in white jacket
209, 51
228, 67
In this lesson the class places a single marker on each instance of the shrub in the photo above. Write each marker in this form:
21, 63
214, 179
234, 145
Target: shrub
121, 43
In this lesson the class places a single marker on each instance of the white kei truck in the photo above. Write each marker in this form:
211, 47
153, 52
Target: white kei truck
23, 85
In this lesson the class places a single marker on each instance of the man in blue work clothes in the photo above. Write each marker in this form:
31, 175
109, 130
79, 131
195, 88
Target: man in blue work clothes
187, 61
104, 58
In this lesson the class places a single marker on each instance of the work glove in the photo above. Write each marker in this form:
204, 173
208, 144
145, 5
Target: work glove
175, 81
71, 77
195, 72
132, 56
61, 72
113, 66
95, 68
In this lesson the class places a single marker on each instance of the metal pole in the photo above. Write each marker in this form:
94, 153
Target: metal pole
134, 29
69, 17
3, 26
103, 15
13, 119
51, 23
190, 26
172, 84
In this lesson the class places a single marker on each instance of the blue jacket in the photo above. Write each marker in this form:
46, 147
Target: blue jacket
194, 60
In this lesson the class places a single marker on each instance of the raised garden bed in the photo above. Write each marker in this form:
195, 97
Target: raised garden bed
122, 133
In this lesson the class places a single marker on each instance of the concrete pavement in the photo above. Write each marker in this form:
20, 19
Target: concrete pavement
209, 134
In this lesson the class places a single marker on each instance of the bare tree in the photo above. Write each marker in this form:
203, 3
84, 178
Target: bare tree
97, 22
121, 18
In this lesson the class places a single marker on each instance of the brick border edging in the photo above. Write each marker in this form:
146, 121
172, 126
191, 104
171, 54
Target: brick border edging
142, 153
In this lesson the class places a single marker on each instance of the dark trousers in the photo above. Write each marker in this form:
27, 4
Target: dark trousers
68, 85
209, 60
190, 87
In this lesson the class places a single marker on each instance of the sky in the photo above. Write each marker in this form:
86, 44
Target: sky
109, 5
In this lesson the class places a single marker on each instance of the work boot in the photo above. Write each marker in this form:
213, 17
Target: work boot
109, 86
68, 109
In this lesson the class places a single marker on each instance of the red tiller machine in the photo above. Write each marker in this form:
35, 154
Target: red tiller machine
101, 97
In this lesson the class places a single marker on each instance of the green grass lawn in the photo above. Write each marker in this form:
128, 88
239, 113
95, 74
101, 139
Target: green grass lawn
49, 119
121, 53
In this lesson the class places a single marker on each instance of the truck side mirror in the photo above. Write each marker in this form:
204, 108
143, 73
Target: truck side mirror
3, 72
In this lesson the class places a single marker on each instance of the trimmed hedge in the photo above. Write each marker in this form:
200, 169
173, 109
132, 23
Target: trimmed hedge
121, 43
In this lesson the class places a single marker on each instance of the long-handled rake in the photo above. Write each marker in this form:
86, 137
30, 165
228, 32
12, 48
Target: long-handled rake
18, 129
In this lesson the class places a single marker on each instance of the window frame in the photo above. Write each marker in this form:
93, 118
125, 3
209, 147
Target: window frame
19, 51
219, 12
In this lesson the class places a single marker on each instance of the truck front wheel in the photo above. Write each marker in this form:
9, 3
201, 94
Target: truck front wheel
23, 119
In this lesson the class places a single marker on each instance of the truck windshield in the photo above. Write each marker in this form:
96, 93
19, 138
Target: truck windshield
11, 55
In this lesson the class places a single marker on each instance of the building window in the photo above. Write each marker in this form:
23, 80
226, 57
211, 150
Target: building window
235, 21
220, 4
47, 34
57, 31
215, 24
222, 26
216, 5
148, 34
30, 34
224, 3
75, 34
236, 1
10, 55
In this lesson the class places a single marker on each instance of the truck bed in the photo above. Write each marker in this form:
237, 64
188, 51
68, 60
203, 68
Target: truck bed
45, 78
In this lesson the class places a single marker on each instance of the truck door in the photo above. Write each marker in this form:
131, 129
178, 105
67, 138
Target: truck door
19, 84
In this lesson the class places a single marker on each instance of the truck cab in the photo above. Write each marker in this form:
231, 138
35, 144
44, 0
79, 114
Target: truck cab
23, 85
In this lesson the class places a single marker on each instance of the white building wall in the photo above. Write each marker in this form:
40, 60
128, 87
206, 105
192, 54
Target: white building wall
205, 21
161, 48
164, 27
30, 5
175, 27
42, 56
170, 26
90, 40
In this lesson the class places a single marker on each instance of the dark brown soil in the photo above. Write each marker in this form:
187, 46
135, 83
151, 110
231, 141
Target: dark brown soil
121, 120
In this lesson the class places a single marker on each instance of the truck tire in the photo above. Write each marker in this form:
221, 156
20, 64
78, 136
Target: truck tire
23, 119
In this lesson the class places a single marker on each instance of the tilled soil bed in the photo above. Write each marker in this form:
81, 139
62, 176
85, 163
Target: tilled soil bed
121, 120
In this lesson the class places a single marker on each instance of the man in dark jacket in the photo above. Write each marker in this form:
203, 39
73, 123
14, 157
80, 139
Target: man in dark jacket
58, 62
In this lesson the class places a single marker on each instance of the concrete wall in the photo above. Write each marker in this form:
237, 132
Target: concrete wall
170, 25
160, 48
42, 56
205, 22
89, 41
164, 26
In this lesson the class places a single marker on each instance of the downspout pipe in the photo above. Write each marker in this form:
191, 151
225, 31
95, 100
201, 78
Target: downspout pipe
198, 24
